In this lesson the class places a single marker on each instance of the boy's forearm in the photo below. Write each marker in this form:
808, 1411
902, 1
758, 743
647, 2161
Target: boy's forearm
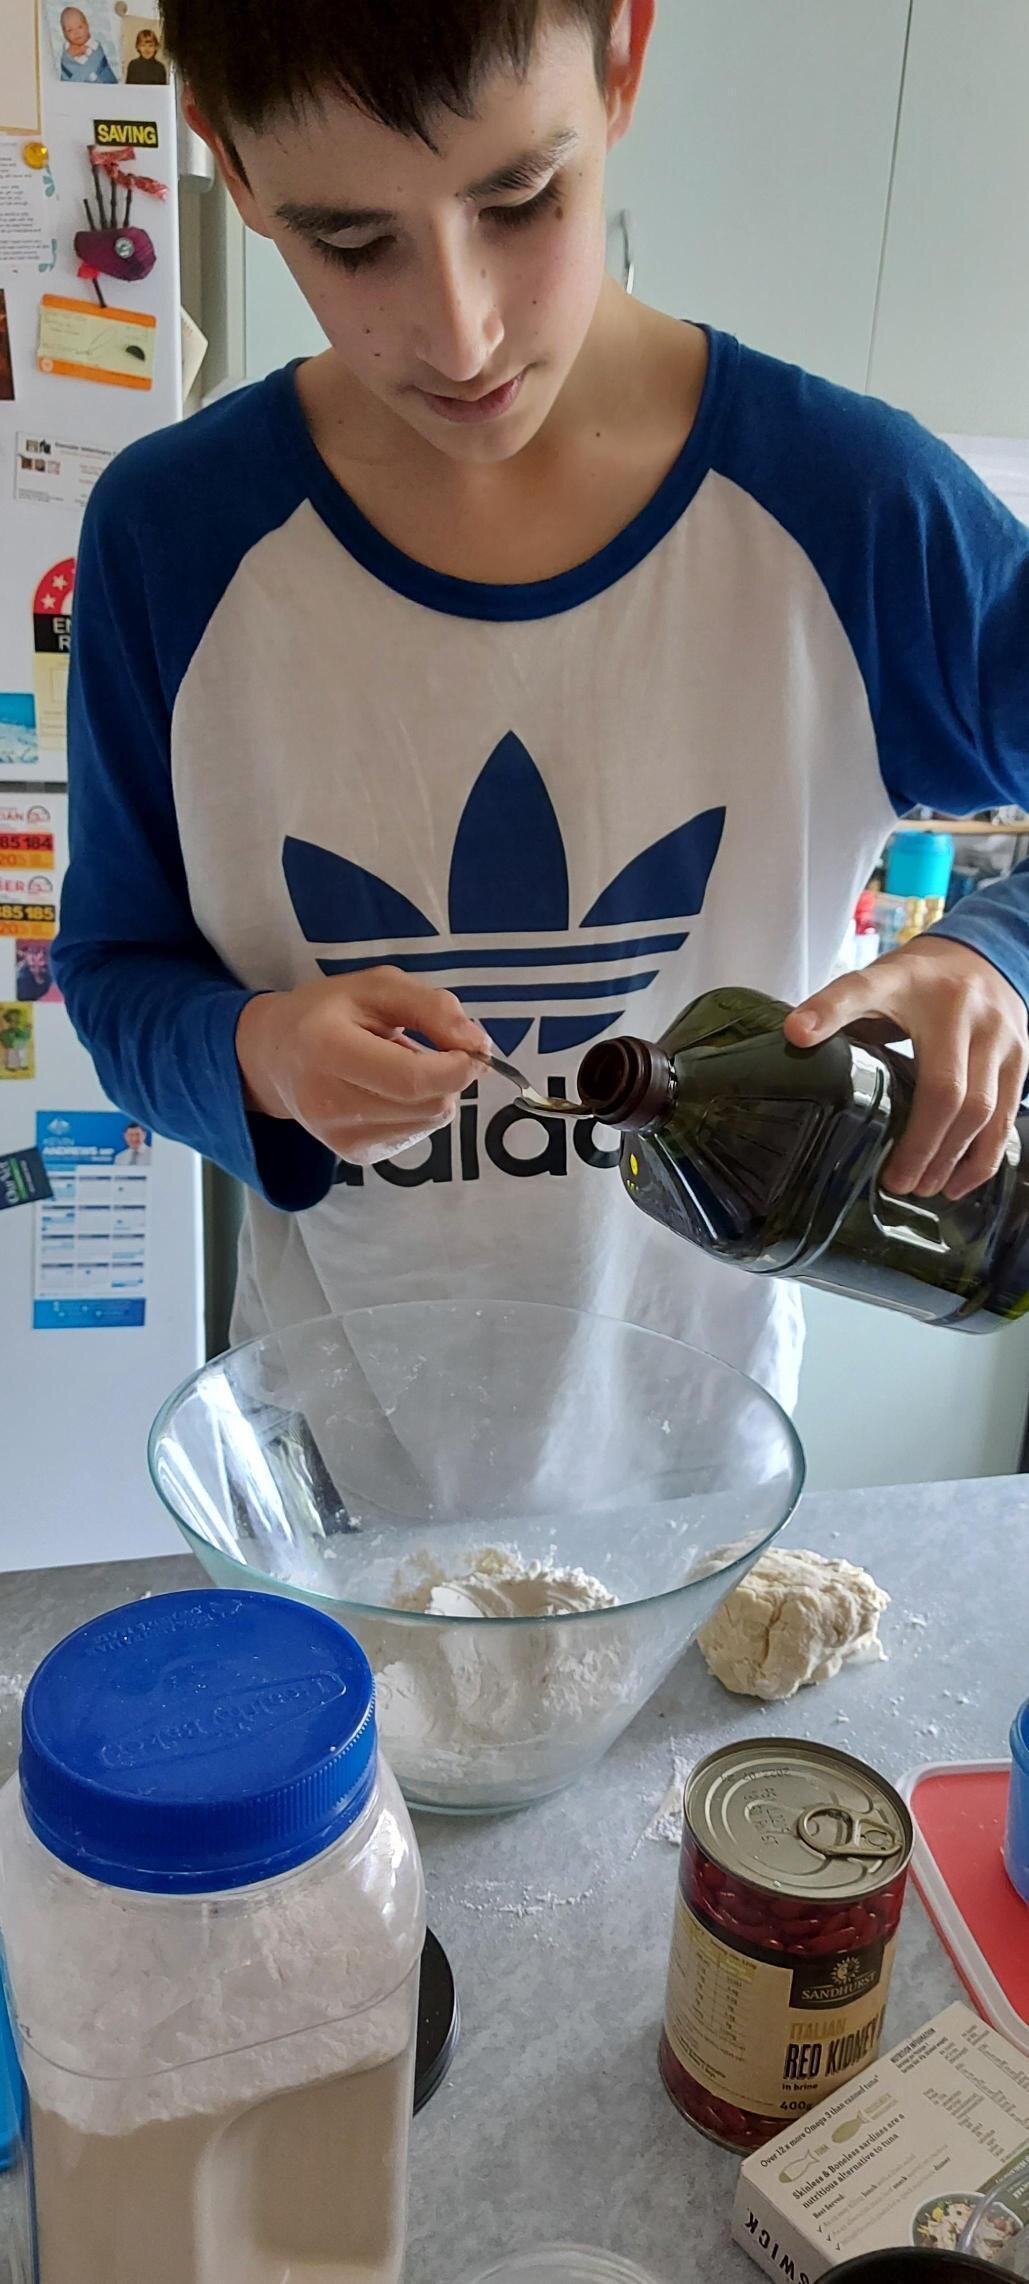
161, 1030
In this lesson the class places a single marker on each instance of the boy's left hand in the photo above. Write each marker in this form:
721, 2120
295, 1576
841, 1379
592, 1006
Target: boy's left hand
970, 1033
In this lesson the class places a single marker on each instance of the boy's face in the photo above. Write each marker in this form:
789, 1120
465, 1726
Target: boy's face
146, 45
457, 285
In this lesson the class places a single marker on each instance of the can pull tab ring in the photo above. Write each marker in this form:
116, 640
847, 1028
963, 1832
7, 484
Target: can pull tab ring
860, 1839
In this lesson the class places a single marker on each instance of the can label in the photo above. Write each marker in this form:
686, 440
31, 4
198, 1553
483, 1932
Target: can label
766, 2035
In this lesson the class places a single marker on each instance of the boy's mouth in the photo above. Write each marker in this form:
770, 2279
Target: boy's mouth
472, 410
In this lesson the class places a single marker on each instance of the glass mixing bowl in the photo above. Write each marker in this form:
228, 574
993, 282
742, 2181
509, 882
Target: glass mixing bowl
356, 1461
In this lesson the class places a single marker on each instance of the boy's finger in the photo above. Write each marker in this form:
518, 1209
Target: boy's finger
975, 1117
940, 1088
404, 1003
987, 1154
389, 1071
851, 1000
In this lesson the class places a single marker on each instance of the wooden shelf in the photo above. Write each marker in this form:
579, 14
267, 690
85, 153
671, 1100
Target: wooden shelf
961, 825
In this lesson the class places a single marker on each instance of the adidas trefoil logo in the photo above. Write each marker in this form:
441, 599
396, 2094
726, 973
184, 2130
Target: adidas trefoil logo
513, 955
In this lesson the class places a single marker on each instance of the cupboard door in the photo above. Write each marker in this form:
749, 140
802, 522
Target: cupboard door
952, 337
757, 171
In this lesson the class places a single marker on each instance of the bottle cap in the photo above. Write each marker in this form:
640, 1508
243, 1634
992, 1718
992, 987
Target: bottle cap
198, 1742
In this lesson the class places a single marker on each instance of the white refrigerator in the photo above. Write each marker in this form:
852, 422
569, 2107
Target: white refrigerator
101, 1280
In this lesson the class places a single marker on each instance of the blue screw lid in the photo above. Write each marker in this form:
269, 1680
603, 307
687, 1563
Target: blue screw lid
1016, 1848
198, 1742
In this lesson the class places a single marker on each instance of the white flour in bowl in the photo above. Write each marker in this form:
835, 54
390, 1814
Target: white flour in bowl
472, 1705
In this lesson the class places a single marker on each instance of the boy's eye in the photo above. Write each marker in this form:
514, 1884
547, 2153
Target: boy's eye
531, 209
353, 257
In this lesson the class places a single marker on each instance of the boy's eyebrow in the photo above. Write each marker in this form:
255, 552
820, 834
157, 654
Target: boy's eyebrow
523, 172
323, 221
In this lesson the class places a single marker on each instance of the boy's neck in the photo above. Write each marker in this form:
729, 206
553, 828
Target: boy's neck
617, 427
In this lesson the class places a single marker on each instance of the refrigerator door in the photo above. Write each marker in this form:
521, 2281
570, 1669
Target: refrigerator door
101, 1290
78, 381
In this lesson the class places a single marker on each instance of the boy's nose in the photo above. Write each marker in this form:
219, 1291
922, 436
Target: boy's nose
459, 327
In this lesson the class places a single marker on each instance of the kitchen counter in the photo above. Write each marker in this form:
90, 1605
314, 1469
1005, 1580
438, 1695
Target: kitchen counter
553, 2122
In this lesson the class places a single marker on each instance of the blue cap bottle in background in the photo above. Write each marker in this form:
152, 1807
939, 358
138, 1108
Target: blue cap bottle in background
919, 864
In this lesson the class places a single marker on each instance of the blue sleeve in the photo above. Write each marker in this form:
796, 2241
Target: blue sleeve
954, 727
929, 574
147, 994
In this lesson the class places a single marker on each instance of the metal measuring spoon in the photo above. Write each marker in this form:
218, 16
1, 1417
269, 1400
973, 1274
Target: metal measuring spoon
547, 1105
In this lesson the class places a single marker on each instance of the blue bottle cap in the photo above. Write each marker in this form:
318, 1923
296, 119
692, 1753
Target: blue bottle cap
198, 1742
1016, 1852
919, 864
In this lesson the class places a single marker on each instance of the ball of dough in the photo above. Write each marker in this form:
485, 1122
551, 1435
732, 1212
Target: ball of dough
795, 1619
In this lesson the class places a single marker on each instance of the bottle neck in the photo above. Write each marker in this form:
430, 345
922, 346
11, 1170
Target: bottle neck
628, 1084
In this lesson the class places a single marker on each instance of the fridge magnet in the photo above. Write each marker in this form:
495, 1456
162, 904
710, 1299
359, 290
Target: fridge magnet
27, 919
17, 1040
20, 99
54, 474
6, 365
113, 246
26, 838
84, 43
23, 1179
33, 976
126, 134
19, 748
25, 888
91, 1244
84, 343
51, 640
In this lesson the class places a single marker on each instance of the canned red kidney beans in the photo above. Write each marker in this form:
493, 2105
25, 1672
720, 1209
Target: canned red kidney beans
794, 1865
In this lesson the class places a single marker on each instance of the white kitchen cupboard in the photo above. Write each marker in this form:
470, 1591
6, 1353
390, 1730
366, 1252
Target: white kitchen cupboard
952, 332
757, 176
757, 172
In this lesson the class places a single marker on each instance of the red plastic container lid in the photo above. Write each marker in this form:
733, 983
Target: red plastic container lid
960, 1814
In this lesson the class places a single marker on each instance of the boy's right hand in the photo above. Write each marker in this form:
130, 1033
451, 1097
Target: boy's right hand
333, 1056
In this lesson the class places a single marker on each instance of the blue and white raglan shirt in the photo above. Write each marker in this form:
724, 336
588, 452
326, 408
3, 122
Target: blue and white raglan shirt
296, 752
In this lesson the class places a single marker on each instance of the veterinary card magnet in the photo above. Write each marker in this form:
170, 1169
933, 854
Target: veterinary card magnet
17, 1040
51, 637
83, 342
54, 474
23, 1179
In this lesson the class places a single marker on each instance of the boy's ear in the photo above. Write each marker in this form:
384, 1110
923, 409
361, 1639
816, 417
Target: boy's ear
631, 26
228, 162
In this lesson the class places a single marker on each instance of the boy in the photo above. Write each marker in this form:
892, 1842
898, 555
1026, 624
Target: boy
528, 660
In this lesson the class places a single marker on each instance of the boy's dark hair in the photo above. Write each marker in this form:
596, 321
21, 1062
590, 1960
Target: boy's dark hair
401, 61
